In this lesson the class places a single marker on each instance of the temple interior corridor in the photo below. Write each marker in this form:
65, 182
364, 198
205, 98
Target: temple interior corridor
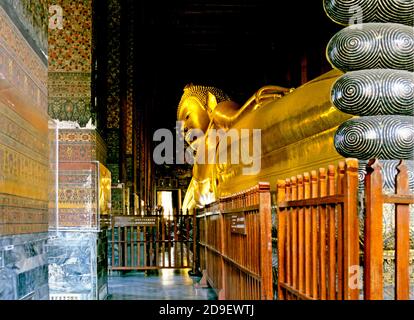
206, 150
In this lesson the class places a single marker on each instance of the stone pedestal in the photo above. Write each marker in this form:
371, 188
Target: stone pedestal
23, 267
78, 266
77, 249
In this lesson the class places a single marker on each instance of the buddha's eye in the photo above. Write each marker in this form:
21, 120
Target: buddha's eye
187, 117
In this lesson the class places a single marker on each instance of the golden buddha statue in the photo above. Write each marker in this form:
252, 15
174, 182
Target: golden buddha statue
297, 131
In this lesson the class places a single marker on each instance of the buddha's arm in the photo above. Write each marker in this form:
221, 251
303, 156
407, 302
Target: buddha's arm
226, 113
189, 202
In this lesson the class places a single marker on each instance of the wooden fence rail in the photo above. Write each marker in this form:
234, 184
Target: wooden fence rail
373, 249
318, 234
151, 242
235, 245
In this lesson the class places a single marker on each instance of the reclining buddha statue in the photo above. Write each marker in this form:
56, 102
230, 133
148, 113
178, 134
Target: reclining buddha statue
362, 109
297, 132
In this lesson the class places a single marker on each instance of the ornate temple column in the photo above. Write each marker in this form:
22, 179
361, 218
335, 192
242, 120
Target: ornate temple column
77, 252
24, 150
376, 53
128, 105
113, 86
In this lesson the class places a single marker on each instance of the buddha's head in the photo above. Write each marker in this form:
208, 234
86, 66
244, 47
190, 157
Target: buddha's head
196, 107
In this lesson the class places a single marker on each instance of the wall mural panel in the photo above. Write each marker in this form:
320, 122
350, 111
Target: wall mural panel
114, 64
113, 92
23, 159
24, 135
81, 145
70, 48
70, 96
130, 78
32, 16
70, 61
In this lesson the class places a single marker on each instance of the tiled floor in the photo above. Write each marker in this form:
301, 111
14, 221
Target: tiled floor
167, 285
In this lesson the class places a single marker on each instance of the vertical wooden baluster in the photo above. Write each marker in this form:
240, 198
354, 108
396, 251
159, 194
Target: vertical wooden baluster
169, 240
301, 236
221, 247
132, 246
157, 243
145, 246
113, 242
175, 238
281, 196
288, 251
331, 236
340, 232
294, 234
126, 245
314, 213
249, 287
181, 239
402, 236
151, 241
322, 235
135, 246
307, 214
120, 253
351, 230
187, 235
373, 242
139, 245
194, 239
163, 240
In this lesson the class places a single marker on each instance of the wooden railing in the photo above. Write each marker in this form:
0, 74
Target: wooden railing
318, 234
373, 249
151, 242
235, 245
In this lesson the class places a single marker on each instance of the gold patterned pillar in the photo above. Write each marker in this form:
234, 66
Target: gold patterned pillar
83, 187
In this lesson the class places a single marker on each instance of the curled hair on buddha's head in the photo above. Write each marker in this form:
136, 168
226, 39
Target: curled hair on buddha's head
201, 93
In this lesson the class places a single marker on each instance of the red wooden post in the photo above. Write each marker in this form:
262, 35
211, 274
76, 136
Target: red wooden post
402, 237
322, 235
301, 238
351, 229
288, 237
223, 292
307, 218
314, 213
373, 257
195, 231
331, 236
265, 241
294, 233
281, 235
340, 237
175, 241
113, 241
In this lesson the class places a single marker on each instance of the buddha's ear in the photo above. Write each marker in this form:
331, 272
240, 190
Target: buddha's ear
211, 102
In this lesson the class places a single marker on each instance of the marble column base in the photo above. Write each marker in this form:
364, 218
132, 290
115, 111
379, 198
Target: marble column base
78, 266
23, 267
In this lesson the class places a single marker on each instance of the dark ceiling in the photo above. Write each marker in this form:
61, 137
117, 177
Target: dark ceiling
237, 46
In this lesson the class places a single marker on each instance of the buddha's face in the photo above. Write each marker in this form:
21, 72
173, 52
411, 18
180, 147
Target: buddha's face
194, 116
